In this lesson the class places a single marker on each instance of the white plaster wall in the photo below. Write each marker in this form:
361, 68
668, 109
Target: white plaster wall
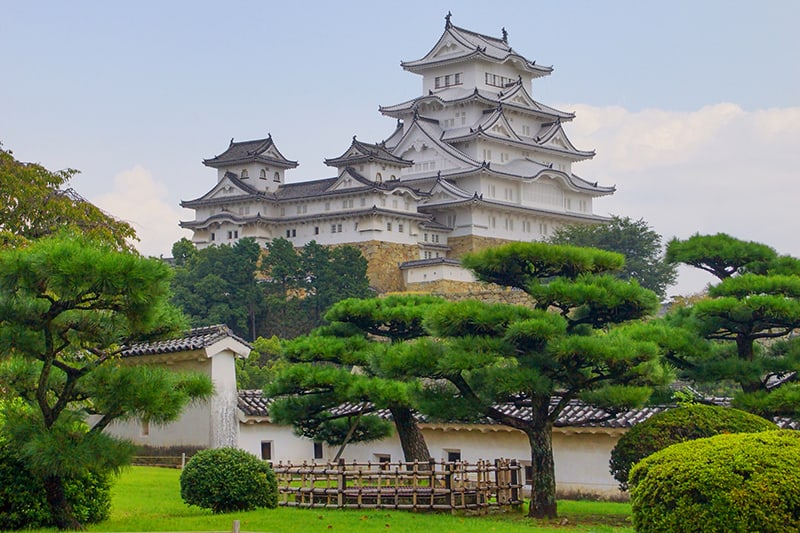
437, 272
192, 429
286, 446
224, 430
581, 460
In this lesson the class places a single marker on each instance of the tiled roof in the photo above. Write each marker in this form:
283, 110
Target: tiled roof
474, 44
194, 339
361, 152
253, 403
250, 151
575, 414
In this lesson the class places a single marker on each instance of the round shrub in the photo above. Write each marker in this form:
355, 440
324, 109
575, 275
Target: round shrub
228, 479
729, 483
682, 423
23, 501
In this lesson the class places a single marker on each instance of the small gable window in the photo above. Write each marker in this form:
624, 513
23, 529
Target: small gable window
378, 177
263, 174
244, 174
276, 177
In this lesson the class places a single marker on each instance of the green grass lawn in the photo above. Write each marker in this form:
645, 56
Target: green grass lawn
148, 499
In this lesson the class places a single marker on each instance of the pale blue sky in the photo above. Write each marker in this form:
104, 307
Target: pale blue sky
690, 91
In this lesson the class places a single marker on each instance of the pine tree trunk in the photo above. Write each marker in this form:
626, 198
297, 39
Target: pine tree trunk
543, 484
411, 439
60, 509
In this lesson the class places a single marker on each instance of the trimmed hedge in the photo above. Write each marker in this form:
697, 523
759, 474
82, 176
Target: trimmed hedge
728, 483
682, 423
23, 501
228, 479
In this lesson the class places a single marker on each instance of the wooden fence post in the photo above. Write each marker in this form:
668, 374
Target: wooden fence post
341, 484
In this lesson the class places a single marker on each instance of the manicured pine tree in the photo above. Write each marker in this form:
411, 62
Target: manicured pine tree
68, 306
571, 343
750, 319
336, 365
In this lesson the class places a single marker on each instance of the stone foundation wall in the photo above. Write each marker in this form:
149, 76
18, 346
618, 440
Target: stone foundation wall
383, 263
464, 290
471, 243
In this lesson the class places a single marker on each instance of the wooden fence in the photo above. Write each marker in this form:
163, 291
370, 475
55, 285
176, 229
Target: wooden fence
413, 486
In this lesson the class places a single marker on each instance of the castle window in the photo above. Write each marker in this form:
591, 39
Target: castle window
276, 177
244, 174
339, 228
378, 177
288, 233
316, 230
453, 456
266, 450
333, 228
213, 236
400, 228
318, 450
388, 226
327, 206
263, 174
425, 237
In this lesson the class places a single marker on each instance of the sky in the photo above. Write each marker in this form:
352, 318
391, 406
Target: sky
693, 107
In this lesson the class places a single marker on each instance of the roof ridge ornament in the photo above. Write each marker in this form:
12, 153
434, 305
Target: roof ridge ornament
505, 35
447, 22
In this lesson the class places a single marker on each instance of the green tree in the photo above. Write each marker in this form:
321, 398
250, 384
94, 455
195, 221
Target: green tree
35, 203
217, 285
68, 306
571, 344
309, 393
636, 240
300, 285
261, 366
749, 319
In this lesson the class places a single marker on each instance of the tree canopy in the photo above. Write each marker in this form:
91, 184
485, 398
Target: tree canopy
282, 292
522, 366
68, 306
337, 365
37, 202
634, 239
748, 322
217, 285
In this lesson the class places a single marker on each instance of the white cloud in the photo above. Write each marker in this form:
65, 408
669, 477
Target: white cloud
717, 169
140, 200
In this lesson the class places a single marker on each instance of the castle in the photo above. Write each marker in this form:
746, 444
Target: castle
475, 161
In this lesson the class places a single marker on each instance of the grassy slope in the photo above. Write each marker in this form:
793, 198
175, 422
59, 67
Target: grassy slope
148, 499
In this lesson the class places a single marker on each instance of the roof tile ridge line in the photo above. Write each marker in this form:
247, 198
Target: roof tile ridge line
449, 149
496, 116
452, 188
483, 36
555, 128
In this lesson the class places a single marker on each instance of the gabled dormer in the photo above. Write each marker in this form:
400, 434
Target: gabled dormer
258, 163
466, 58
372, 161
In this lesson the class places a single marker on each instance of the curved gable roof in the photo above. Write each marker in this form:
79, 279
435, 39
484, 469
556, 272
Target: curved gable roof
259, 150
459, 44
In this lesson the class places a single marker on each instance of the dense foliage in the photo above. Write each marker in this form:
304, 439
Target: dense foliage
744, 329
228, 479
283, 292
23, 498
339, 364
36, 204
570, 343
217, 285
67, 307
640, 244
729, 483
679, 424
